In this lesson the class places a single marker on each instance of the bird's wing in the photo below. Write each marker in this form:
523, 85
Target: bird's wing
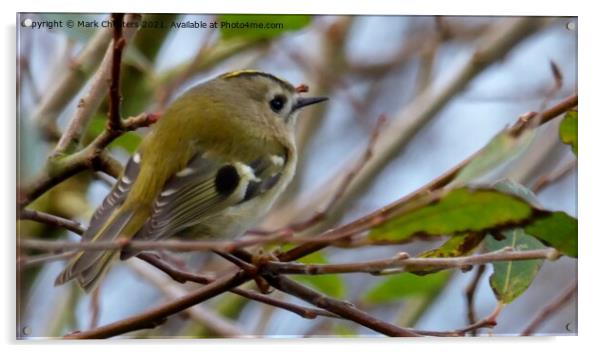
206, 186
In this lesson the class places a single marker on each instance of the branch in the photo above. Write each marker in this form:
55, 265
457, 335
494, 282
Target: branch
401, 262
175, 274
550, 309
343, 309
206, 317
347, 310
66, 87
29, 261
99, 87
470, 294
546, 180
157, 315
52, 220
304, 312
185, 276
92, 157
114, 89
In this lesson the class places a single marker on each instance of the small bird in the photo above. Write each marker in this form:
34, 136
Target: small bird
211, 168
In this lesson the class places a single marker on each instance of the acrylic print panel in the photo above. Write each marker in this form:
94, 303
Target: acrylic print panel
434, 193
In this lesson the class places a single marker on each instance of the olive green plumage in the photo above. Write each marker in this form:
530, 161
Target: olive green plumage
211, 167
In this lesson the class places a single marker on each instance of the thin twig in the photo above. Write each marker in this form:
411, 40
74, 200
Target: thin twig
185, 276
49, 219
114, 88
99, 87
215, 323
158, 314
175, 274
550, 309
29, 261
304, 312
95, 308
546, 180
343, 309
489, 321
92, 157
66, 87
401, 262
470, 295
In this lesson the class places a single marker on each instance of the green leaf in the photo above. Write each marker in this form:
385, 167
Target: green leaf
406, 285
510, 279
556, 229
559, 230
128, 141
459, 245
331, 285
568, 130
260, 26
511, 187
502, 148
459, 211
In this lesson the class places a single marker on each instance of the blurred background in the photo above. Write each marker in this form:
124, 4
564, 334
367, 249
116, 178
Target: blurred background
444, 86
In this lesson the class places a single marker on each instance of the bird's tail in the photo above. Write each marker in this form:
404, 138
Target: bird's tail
91, 276
89, 266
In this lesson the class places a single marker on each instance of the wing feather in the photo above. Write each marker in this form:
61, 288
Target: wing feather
204, 187
106, 224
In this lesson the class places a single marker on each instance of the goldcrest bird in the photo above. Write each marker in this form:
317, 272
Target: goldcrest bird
211, 167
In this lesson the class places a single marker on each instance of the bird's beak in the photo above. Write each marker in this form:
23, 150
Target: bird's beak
303, 102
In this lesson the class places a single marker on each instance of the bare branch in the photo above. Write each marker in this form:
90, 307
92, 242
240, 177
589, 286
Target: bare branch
205, 316
546, 180
157, 315
95, 308
185, 276
304, 312
550, 309
52, 220
67, 86
99, 87
92, 157
29, 261
470, 294
400, 262
114, 88
175, 274
343, 309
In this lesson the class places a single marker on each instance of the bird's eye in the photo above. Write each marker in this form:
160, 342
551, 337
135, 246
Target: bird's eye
277, 103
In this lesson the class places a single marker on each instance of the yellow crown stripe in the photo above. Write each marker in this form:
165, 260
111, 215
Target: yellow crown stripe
239, 72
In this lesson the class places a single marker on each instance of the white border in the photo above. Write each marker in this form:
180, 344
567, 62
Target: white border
589, 178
